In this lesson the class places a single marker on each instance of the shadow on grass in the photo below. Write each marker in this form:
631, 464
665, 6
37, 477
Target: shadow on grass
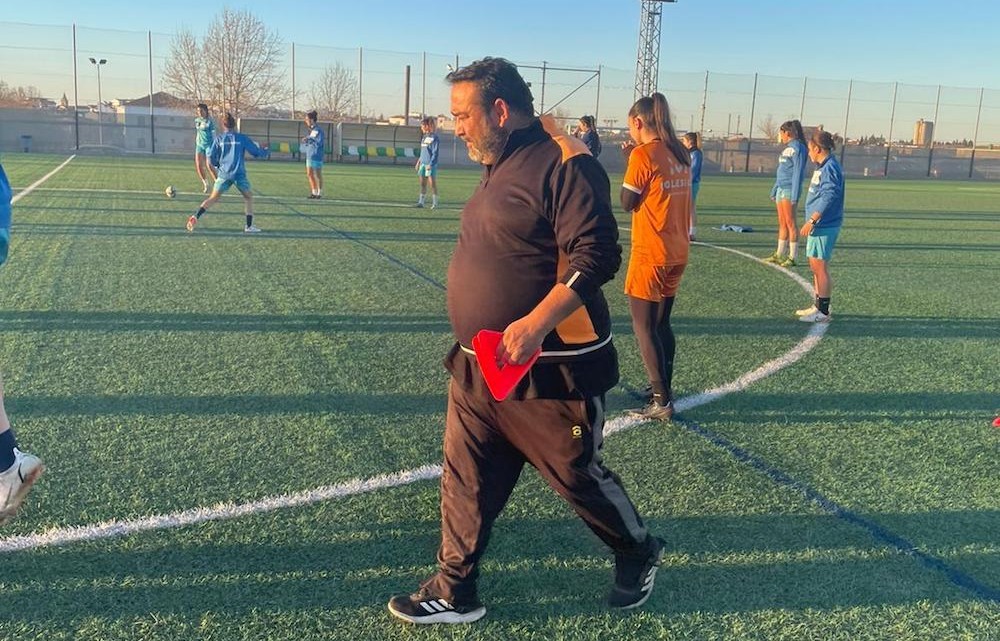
846, 407
196, 322
534, 570
115, 231
241, 405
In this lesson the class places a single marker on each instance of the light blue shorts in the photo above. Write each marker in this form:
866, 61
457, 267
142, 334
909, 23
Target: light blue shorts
821, 241
425, 170
314, 164
783, 194
222, 185
202, 150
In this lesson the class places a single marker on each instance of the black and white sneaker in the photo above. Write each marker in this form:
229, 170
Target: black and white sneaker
634, 577
424, 607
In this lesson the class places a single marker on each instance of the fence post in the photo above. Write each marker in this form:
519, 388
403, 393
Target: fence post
802, 105
541, 108
423, 90
76, 95
975, 135
847, 118
293, 81
930, 154
704, 100
152, 130
361, 78
753, 106
892, 119
597, 107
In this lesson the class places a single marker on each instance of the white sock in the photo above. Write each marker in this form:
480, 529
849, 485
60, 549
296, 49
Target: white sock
782, 247
793, 246
421, 199
434, 200
692, 231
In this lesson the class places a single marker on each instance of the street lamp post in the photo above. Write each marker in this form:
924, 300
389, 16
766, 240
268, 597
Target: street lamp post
100, 112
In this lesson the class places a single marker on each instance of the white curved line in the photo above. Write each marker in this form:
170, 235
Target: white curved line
224, 511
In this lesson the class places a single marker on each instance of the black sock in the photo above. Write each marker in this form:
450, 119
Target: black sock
249, 220
823, 305
201, 210
7, 445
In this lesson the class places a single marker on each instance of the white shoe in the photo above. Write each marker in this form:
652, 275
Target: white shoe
807, 311
816, 317
15, 483
251, 229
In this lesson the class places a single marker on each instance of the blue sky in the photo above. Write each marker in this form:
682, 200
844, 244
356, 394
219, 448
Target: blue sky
872, 42
878, 40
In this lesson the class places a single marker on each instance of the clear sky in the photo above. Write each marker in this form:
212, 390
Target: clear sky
914, 41
792, 44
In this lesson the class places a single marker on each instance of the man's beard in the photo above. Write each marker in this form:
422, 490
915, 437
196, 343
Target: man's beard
490, 147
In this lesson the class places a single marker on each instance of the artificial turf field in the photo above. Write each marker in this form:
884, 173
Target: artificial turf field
290, 384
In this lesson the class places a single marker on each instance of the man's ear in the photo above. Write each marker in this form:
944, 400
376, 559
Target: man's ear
501, 111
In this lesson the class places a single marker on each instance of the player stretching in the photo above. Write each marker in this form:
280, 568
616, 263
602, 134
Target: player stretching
226, 156
18, 470
205, 127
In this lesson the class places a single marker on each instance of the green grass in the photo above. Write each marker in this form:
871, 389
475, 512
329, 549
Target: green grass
157, 371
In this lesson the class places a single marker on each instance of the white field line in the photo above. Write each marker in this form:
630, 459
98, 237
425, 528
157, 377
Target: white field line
33, 186
224, 511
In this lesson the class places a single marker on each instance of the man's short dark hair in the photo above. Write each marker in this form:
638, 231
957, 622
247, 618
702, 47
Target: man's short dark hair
202, 105
312, 115
497, 78
228, 121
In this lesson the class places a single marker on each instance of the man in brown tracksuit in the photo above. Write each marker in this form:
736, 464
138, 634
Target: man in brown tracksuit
537, 242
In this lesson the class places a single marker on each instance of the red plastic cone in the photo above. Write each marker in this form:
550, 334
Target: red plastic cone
500, 379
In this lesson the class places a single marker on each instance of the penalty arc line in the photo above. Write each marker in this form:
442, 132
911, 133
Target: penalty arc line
225, 511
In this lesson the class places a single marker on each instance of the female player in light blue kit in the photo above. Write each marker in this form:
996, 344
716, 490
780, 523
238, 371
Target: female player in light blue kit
18, 470
314, 147
227, 155
427, 164
690, 140
205, 127
786, 190
824, 217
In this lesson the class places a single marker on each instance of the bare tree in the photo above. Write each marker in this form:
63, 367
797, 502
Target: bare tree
335, 93
17, 96
235, 68
185, 71
769, 128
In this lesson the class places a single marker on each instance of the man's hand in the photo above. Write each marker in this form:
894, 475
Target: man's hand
521, 339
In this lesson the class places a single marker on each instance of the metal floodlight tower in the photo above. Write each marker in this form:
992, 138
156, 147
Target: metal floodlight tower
647, 62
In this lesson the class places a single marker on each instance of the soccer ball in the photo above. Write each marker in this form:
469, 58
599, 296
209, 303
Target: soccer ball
170, 191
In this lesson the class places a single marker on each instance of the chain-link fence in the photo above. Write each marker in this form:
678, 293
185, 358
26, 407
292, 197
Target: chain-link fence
57, 95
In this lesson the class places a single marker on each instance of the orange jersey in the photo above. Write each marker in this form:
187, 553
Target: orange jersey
661, 224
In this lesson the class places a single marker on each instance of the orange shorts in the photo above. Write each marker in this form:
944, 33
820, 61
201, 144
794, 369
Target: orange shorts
652, 282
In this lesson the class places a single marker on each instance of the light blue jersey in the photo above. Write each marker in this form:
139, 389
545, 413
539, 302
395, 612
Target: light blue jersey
227, 154
314, 145
696, 158
429, 145
206, 134
5, 197
826, 194
791, 170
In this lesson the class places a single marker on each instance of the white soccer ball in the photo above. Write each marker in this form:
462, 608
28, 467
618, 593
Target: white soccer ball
170, 191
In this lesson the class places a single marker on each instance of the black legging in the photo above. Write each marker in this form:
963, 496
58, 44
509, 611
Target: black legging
651, 324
